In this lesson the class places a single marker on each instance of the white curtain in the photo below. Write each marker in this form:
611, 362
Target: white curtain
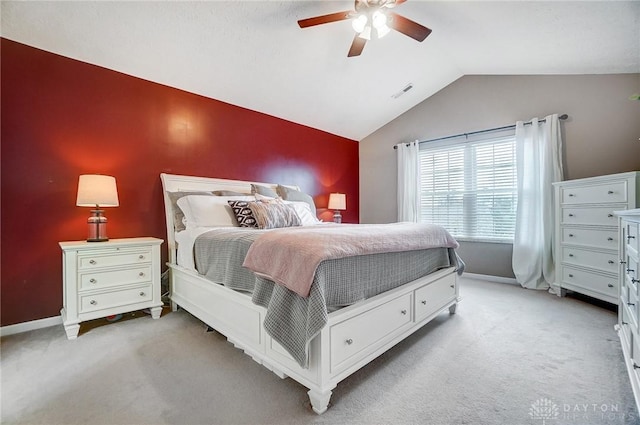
408, 181
539, 164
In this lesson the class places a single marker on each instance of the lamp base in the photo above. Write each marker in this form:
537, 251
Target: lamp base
337, 217
97, 227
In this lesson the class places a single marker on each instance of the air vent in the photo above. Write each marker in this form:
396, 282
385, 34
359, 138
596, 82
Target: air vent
403, 91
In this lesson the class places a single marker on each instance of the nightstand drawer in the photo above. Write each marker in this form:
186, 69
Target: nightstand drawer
102, 279
632, 236
596, 216
596, 193
114, 257
591, 237
582, 257
100, 301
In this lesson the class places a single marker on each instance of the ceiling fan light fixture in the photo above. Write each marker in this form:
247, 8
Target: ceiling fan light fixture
383, 30
359, 23
366, 33
379, 19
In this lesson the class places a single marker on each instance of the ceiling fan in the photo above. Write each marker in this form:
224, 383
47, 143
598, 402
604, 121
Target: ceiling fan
371, 15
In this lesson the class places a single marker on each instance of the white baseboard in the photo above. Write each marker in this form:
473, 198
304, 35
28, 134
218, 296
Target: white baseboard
490, 278
30, 326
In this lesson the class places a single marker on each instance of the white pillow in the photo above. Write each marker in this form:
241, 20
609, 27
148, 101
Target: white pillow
209, 211
304, 212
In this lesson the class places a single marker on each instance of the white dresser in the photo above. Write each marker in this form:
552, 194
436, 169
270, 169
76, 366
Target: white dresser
628, 309
101, 279
586, 232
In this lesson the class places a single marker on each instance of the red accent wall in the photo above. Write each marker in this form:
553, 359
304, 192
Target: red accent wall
62, 118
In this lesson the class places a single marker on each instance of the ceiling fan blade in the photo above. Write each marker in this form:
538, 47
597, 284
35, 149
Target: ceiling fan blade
408, 27
357, 46
324, 19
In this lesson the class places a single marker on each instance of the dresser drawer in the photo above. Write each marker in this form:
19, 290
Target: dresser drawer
99, 301
101, 279
592, 281
607, 262
114, 257
632, 236
631, 272
596, 216
432, 297
632, 307
350, 338
607, 239
612, 192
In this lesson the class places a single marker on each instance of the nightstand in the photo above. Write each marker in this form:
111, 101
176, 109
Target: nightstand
101, 279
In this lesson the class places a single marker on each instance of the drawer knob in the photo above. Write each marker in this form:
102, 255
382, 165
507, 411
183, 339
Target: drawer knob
403, 312
141, 257
349, 341
571, 195
610, 192
635, 366
630, 270
610, 285
609, 215
610, 261
92, 280
141, 274
570, 235
453, 286
635, 280
92, 261
424, 302
630, 237
570, 215
93, 302
631, 304
624, 323
570, 275
570, 255
623, 262
609, 238
142, 294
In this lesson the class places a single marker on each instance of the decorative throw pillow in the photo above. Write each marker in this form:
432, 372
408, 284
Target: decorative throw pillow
263, 190
289, 194
273, 215
243, 213
178, 214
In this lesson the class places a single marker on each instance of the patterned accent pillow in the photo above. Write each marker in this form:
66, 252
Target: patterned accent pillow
243, 213
273, 215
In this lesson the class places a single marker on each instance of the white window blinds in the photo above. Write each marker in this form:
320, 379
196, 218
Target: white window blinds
470, 187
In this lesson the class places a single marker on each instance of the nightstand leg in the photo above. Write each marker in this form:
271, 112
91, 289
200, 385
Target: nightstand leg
155, 312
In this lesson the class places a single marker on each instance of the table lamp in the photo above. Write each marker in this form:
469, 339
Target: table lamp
95, 190
337, 202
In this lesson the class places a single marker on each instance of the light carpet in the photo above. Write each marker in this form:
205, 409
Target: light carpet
504, 357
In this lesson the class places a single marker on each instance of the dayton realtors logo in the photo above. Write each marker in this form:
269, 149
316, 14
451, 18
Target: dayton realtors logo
544, 409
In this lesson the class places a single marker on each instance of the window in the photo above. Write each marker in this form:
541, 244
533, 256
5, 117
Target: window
470, 187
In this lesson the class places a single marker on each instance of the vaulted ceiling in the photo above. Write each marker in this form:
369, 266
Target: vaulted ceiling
253, 54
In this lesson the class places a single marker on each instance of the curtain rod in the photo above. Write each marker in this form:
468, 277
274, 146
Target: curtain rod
506, 127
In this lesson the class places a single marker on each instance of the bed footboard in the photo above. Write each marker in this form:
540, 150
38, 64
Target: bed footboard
353, 336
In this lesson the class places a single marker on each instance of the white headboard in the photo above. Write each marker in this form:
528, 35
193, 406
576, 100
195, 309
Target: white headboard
178, 183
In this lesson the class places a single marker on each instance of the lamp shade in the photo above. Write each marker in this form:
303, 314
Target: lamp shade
337, 201
97, 190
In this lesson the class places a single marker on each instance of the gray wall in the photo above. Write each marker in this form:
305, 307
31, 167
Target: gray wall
601, 136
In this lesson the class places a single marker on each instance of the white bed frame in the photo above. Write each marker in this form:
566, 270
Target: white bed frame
353, 336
